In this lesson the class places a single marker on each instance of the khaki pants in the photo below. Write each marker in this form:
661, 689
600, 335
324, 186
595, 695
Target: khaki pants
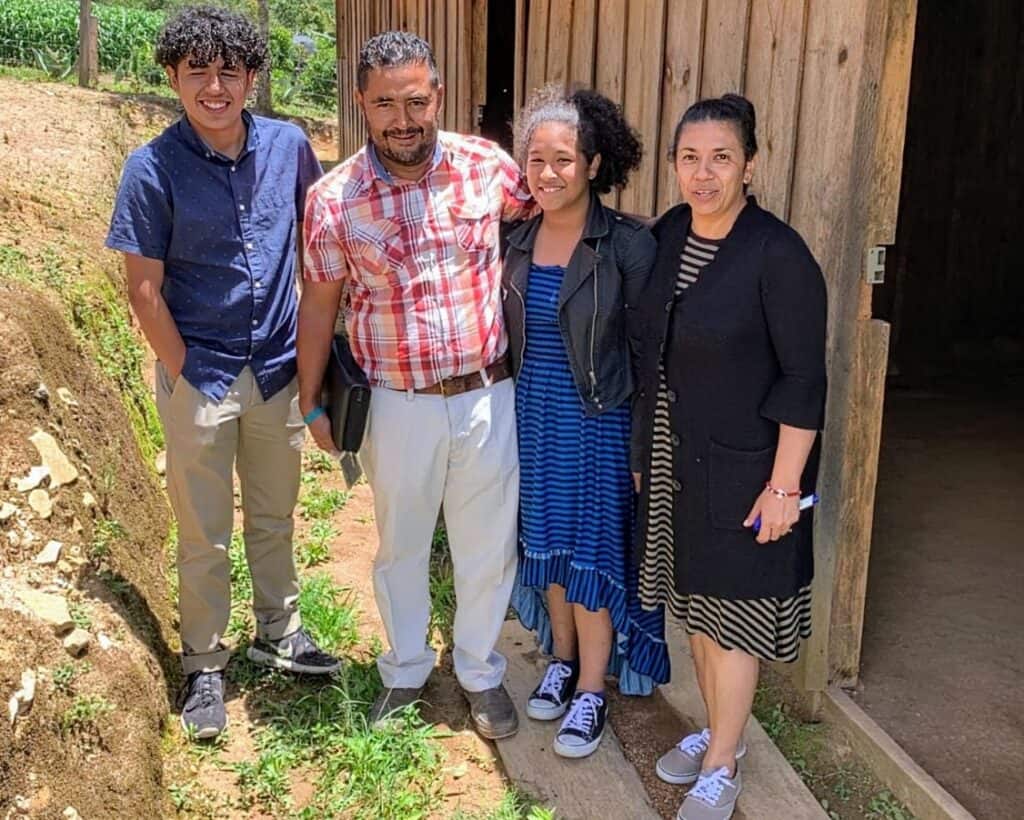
205, 440
421, 453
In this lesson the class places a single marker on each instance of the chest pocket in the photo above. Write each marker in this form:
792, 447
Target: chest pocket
378, 252
476, 229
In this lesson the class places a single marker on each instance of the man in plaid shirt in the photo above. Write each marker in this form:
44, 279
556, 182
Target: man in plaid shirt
404, 234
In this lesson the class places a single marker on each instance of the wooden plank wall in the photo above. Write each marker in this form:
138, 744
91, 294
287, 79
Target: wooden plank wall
690, 49
357, 20
455, 29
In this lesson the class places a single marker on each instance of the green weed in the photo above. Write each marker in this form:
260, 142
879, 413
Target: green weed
319, 503
64, 676
80, 615
105, 534
83, 713
317, 461
884, 806
316, 548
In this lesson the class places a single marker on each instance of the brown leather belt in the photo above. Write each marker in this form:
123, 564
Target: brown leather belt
454, 385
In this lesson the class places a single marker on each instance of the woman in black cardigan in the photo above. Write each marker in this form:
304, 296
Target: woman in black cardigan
732, 394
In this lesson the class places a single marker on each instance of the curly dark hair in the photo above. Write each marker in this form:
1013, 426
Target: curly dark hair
204, 33
600, 127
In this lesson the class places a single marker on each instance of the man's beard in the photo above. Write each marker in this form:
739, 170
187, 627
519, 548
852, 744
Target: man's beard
410, 157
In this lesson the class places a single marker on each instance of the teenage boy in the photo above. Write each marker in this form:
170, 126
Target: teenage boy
208, 218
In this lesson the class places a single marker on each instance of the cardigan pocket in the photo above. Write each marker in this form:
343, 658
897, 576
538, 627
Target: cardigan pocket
735, 479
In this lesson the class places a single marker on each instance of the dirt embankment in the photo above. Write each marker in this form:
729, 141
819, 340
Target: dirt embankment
85, 625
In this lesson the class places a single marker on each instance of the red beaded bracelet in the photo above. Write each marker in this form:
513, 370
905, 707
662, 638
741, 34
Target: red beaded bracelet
780, 493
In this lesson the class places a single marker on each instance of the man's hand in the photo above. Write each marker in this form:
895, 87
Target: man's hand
320, 430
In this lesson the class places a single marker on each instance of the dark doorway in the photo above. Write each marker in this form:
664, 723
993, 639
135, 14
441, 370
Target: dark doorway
496, 122
943, 650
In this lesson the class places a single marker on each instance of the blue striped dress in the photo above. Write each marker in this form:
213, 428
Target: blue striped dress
576, 501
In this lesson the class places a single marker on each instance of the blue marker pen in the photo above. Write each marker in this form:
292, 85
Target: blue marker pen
806, 503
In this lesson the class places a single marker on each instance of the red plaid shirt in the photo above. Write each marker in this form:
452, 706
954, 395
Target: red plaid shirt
421, 260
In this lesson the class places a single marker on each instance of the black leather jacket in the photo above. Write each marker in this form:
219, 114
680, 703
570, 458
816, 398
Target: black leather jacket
604, 279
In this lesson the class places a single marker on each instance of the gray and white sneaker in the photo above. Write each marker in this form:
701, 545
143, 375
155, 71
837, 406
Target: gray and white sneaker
713, 798
293, 653
681, 765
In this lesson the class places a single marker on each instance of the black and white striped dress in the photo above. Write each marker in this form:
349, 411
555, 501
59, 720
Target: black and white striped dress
767, 628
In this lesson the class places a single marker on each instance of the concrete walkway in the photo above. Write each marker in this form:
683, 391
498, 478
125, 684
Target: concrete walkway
606, 785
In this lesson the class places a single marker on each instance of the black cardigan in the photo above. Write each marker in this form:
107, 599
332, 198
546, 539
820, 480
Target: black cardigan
744, 351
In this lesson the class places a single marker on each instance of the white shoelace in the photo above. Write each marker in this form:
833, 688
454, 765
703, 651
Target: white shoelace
696, 745
556, 674
583, 714
709, 787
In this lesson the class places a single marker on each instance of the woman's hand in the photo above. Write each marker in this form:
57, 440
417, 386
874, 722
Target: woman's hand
778, 516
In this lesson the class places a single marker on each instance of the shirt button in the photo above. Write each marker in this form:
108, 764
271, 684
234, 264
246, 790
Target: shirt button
672, 396
248, 245
675, 440
233, 169
241, 207
255, 322
668, 306
676, 485
259, 283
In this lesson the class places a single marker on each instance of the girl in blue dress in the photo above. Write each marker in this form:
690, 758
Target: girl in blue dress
571, 277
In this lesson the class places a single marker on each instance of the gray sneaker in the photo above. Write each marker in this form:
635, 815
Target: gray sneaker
681, 765
390, 702
494, 714
713, 798
203, 715
293, 653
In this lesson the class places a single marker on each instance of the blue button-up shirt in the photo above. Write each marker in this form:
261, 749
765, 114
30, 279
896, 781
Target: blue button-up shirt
226, 232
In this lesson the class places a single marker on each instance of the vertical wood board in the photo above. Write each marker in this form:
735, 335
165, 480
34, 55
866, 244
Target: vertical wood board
645, 35
684, 43
725, 47
773, 79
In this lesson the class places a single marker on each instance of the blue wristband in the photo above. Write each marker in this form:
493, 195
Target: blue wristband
312, 415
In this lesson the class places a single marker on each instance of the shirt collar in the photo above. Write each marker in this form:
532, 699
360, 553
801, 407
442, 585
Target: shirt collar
195, 142
375, 168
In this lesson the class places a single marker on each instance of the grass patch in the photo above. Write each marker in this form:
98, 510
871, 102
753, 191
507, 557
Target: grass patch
837, 779
329, 614
240, 623
100, 317
442, 586
514, 806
